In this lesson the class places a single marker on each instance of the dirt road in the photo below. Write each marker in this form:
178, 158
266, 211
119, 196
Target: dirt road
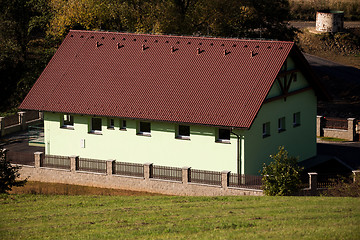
339, 71
306, 24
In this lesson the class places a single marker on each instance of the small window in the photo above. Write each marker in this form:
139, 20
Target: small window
296, 119
183, 132
144, 129
111, 123
68, 121
281, 124
223, 135
96, 125
266, 130
123, 125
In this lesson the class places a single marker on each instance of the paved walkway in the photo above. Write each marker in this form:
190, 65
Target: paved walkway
19, 142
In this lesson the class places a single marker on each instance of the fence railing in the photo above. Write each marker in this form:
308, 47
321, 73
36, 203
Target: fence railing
336, 123
245, 181
205, 177
24, 158
56, 162
225, 179
11, 120
19, 122
91, 165
329, 180
32, 115
129, 169
167, 173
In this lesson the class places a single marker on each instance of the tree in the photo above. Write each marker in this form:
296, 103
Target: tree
282, 176
21, 22
8, 174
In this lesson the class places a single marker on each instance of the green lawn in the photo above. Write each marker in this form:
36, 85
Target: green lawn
168, 217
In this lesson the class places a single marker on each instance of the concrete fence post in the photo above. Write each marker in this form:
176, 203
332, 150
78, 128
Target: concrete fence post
351, 129
22, 121
356, 175
319, 126
110, 167
313, 182
74, 163
225, 176
41, 115
39, 158
186, 175
2, 126
148, 171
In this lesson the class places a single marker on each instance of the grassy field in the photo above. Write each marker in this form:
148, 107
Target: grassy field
167, 217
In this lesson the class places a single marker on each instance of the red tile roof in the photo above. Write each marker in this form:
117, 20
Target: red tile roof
210, 81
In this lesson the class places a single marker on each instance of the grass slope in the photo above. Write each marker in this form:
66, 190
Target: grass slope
168, 217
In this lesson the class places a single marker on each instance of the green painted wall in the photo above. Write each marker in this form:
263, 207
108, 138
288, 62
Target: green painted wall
299, 141
201, 151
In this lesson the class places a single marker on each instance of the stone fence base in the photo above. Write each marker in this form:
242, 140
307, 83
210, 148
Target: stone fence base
348, 133
42, 174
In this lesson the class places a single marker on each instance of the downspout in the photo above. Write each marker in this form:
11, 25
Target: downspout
238, 156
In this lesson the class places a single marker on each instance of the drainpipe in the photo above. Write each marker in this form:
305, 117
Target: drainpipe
238, 153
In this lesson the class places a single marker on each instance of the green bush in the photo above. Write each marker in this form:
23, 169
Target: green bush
282, 176
8, 174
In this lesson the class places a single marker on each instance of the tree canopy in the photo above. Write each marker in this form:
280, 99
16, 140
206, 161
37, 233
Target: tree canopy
30, 30
226, 18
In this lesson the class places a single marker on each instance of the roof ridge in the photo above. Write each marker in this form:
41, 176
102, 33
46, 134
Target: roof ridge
186, 36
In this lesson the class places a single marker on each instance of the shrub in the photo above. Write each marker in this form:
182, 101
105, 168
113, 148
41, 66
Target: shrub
282, 176
8, 174
344, 187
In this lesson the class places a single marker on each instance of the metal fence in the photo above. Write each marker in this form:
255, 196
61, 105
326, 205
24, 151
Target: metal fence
53, 161
129, 169
91, 165
205, 177
24, 158
336, 123
329, 180
245, 181
11, 120
167, 173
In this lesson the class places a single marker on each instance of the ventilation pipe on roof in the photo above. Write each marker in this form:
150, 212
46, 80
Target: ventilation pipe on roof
198, 50
172, 49
119, 45
253, 54
98, 44
144, 48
